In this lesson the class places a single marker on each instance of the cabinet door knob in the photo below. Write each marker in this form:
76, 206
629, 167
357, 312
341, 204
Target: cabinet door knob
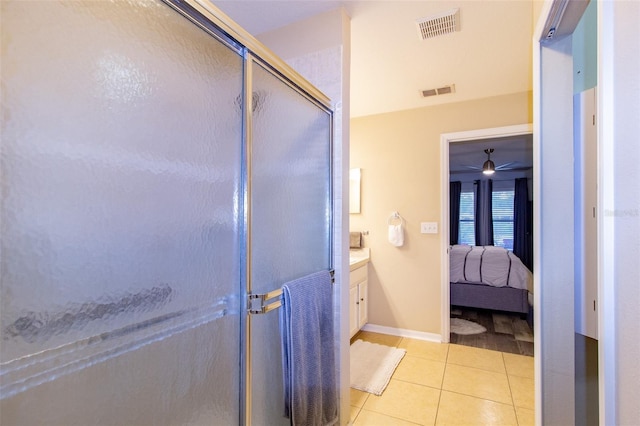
362, 300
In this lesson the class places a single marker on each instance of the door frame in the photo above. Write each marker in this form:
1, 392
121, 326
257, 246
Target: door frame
445, 140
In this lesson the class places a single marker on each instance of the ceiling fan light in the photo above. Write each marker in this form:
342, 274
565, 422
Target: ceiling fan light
488, 168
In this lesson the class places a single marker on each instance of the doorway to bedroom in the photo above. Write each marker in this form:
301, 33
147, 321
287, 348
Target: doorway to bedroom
487, 230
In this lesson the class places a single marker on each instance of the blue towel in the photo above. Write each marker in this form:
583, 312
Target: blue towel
309, 368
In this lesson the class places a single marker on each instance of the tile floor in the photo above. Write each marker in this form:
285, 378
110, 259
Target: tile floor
448, 384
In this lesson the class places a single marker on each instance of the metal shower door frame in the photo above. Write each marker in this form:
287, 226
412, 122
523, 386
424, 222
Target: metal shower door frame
220, 26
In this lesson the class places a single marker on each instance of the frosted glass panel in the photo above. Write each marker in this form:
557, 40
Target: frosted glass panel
290, 212
290, 183
121, 153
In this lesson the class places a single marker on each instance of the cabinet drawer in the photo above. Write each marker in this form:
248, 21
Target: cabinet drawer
357, 275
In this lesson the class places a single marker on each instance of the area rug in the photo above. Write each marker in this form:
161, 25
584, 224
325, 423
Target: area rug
372, 365
460, 326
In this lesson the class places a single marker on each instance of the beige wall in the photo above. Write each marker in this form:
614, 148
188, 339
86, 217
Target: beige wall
536, 10
399, 154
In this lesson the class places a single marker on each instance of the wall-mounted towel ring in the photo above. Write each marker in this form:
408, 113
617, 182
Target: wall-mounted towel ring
395, 218
396, 233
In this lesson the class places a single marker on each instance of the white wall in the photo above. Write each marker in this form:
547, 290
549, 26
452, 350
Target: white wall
618, 221
319, 49
619, 156
554, 256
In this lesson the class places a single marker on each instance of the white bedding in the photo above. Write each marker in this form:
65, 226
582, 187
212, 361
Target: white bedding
489, 265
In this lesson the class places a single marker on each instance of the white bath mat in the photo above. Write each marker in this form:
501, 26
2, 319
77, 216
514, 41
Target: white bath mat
372, 365
460, 326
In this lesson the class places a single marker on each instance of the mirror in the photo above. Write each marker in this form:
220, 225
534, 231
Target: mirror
354, 190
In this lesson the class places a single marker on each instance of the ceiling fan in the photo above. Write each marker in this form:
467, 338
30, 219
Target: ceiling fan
489, 167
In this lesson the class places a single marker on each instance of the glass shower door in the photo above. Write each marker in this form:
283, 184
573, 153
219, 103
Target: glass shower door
121, 191
290, 218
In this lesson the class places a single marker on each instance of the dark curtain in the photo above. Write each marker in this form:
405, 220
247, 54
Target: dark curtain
522, 223
455, 188
484, 213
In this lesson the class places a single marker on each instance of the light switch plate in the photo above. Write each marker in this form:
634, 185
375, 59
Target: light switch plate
429, 227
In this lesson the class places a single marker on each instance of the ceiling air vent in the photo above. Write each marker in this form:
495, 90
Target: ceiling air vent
439, 91
440, 24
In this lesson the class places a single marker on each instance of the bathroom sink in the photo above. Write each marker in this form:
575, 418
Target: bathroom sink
358, 258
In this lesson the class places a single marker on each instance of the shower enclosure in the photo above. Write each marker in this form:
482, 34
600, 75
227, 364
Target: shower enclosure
158, 166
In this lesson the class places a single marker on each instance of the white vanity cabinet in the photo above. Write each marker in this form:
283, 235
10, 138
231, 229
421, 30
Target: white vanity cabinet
358, 299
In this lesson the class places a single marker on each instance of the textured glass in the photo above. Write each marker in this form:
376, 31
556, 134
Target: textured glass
120, 174
290, 211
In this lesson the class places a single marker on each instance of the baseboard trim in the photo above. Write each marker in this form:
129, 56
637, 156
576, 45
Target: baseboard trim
403, 332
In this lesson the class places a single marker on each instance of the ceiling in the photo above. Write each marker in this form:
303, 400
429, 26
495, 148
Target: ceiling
512, 156
491, 55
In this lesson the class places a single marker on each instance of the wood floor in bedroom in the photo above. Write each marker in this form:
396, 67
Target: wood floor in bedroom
506, 332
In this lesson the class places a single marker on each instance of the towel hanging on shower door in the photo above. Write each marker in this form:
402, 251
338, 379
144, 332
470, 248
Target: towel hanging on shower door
309, 365
396, 233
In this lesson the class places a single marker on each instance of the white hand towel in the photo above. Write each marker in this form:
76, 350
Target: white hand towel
396, 235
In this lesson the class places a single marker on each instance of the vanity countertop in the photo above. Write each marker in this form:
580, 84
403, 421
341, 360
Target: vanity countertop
358, 258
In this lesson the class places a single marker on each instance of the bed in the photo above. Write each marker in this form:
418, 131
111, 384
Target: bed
489, 277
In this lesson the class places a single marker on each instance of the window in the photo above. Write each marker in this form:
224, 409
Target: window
502, 206
466, 233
